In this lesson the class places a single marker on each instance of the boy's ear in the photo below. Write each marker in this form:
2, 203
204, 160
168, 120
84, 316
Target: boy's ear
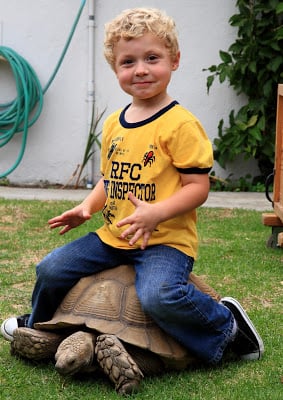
176, 61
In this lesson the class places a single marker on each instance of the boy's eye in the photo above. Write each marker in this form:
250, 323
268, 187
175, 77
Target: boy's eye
152, 58
127, 61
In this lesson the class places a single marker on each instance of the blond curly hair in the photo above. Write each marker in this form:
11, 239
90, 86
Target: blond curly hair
134, 23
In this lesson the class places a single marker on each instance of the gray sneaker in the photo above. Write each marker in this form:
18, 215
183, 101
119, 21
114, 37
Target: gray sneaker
247, 344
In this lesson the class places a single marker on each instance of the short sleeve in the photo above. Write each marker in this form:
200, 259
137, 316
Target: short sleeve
190, 148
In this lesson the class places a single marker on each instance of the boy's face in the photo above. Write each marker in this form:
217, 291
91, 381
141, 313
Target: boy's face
143, 66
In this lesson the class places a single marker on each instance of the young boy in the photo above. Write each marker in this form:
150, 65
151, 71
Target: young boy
155, 162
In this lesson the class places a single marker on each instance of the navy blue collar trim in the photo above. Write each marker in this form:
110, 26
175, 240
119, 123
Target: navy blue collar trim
130, 125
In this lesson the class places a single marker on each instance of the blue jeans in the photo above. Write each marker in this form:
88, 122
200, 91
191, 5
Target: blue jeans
190, 316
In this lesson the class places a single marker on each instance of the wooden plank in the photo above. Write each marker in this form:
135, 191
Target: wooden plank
271, 219
278, 178
278, 207
280, 89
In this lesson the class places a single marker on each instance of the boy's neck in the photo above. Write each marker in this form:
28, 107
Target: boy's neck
140, 110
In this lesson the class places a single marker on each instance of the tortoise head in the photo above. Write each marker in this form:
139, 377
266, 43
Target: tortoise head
75, 354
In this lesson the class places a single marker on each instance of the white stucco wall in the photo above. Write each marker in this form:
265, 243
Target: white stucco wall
38, 29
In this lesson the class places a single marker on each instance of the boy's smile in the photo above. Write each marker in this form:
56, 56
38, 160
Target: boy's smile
143, 67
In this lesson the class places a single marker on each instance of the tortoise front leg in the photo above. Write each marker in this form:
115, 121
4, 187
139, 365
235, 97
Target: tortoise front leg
117, 363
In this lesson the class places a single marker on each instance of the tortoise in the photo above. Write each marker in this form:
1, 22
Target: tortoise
100, 324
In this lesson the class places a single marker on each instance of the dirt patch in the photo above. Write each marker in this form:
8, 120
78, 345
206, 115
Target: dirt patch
11, 217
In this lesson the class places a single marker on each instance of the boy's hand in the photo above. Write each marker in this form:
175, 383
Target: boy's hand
142, 222
69, 219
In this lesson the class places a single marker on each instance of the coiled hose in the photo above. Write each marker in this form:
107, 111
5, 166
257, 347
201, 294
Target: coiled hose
21, 113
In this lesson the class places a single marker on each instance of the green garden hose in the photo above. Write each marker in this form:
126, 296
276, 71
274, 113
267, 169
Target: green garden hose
21, 113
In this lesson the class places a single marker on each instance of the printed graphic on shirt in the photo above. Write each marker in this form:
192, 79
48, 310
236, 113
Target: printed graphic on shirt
125, 177
111, 150
148, 158
114, 148
107, 215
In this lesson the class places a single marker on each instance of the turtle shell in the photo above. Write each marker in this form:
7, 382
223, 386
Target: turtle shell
107, 302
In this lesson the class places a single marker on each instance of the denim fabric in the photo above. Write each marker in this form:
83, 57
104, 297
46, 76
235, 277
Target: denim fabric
191, 317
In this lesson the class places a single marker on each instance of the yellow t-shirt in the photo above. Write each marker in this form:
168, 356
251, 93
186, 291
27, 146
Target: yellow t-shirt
147, 158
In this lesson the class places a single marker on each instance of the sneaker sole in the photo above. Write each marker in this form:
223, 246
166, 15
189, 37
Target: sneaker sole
239, 313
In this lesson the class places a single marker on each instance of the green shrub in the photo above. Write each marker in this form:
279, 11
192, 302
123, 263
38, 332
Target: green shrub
253, 66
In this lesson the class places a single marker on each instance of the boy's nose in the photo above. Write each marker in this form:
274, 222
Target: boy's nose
141, 69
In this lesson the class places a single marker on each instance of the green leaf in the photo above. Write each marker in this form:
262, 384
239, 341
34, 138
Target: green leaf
213, 68
223, 75
252, 66
275, 63
267, 88
225, 57
279, 8
216, 142
261, 123
241, 125
275, 46
252, 121
209, 82
255, 133
238, 142
279, 34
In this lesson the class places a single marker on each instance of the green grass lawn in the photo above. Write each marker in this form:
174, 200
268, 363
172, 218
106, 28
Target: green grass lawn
233, 258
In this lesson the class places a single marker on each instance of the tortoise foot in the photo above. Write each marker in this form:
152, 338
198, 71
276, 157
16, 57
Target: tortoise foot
117, 363
35, 345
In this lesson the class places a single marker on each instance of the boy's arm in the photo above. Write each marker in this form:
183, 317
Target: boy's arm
194, 192
146, 217
78, 215
95, 201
